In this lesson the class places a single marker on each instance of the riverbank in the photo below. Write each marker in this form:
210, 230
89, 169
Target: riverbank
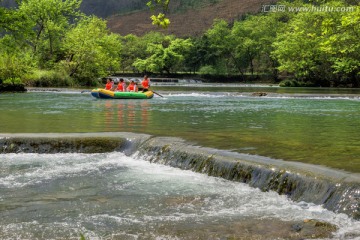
12, 87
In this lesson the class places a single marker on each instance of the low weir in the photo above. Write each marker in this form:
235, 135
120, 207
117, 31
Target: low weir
333, 189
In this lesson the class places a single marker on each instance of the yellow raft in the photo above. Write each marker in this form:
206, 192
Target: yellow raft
102, 93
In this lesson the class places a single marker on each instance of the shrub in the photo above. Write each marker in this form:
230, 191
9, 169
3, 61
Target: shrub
207, 70
13, 81
288, 83
48, 78
295, 83
13, 84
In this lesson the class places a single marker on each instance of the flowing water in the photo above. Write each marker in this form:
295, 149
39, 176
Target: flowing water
113, 196
319, 129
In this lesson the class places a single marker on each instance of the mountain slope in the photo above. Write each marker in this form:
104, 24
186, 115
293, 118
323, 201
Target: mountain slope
188, 17
105, 8
191, 22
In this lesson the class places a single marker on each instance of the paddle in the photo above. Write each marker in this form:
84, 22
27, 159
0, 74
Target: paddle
157, 93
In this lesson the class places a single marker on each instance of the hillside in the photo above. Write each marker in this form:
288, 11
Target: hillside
188, 17
105, 8
190, 22
100, 8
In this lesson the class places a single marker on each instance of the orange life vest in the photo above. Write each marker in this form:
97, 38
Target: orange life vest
132, 87
108, 86
121, 87
145, 83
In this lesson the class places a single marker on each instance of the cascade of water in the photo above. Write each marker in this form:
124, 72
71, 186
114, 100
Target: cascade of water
335, 190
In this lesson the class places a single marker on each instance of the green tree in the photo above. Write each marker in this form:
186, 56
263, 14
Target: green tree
297, 48
161, 7
247, 47
47, 22
254, 37
15, 60
198, 55
14, 65
341, 43
167, 56
221, 47
131, 51
90, 50
14, 23
134, 47
320, 47
5, 19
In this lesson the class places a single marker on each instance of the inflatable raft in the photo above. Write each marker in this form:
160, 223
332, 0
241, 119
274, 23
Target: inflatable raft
102, 93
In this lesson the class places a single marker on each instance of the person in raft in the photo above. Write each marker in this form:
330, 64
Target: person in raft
145, 84
132, 87
121, 87
109, 84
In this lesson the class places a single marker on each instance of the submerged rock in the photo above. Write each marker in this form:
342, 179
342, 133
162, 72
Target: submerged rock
259, 94
312, 228
251, 229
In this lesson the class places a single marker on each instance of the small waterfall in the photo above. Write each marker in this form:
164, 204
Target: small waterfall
335, 190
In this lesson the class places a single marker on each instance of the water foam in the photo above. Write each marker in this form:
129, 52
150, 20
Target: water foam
162, 194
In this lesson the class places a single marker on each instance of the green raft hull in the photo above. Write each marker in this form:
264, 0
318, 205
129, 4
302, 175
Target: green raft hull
102, 93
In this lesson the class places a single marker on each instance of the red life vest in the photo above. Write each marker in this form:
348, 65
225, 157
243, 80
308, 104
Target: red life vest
108, 86
132, 87
121, 87
145, 83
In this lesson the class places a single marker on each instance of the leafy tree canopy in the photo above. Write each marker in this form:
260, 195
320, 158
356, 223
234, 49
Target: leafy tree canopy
90, 50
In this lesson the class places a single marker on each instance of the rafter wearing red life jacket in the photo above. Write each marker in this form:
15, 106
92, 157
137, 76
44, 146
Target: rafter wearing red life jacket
145, 83
121, 87
108, 86
132, 87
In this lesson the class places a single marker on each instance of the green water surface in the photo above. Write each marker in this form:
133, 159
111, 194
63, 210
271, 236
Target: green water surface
319, 128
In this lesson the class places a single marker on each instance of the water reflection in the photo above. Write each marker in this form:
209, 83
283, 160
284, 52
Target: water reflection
125, 115
317, 130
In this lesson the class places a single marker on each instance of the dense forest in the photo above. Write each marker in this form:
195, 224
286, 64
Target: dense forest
53, 43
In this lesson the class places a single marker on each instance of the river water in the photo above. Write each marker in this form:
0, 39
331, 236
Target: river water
317, 126
113, 196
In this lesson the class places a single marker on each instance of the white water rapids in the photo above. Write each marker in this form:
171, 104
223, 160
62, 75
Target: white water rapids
113, 196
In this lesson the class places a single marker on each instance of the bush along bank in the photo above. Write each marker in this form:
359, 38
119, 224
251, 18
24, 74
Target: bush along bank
9, 87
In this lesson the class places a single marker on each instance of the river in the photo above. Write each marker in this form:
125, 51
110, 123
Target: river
317, 126
114, 196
